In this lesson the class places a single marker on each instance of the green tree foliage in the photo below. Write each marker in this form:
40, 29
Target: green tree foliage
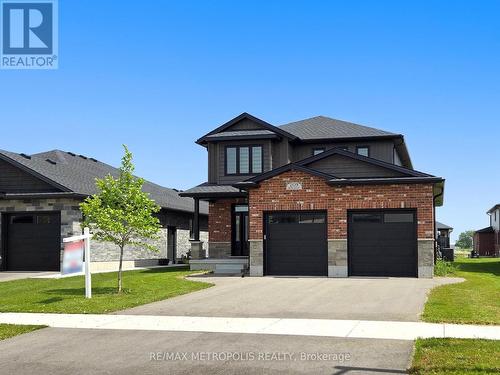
121, 213
465, 239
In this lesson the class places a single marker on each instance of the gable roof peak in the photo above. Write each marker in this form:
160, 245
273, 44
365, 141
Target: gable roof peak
366, 159
246, 115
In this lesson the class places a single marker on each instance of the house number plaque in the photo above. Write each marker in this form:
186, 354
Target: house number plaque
293, 186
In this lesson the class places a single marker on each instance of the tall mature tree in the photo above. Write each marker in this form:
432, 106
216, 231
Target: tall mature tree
121, 213
465, 239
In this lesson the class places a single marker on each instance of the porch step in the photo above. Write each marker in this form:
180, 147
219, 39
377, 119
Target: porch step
228, 268
233, 265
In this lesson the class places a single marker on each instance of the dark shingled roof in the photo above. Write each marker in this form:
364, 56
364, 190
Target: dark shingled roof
77, 173
321, 127
485, 230
207, 190
493, 208
440, 225
237, 133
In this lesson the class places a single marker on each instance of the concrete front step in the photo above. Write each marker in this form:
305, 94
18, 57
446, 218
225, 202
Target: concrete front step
223, 268
226, 266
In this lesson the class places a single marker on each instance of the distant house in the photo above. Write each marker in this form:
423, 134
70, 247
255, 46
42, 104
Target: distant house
443, 235
487, 240
39, 206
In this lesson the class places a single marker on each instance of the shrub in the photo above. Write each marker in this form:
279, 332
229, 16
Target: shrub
443, 268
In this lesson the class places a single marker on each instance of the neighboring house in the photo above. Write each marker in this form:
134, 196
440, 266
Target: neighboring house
39, 206
443, 235
317, 197
487, 240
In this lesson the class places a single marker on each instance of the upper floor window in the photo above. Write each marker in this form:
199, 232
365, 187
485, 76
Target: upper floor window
363, 151
244, 160
318, 150
396, 158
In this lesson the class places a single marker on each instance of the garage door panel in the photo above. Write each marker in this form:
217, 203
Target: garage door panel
296, 244
33, 242
381, 246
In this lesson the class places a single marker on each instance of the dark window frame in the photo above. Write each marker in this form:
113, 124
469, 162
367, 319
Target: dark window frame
320, 149
234, 213
250, 159
367, 149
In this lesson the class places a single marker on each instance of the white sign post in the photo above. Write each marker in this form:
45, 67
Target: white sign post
86, 240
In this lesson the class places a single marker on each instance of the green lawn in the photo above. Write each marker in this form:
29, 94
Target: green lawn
456, 356
475, 301
10, 330
67, 295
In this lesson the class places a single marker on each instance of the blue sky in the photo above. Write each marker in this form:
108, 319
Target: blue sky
157, 75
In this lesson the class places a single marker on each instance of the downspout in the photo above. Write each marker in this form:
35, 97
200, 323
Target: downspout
434, 223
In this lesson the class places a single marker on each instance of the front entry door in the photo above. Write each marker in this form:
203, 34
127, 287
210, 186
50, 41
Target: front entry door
240, 231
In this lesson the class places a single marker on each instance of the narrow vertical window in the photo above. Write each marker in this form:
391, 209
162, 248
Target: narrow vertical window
231, 160
244, 160
257, 159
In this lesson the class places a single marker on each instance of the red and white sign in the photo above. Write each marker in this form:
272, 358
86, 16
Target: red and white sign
73, 257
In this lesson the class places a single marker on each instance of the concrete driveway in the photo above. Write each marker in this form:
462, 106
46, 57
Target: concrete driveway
323, 298
14, 275
84, 351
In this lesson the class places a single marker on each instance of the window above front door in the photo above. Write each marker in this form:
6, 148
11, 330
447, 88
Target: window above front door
244, 160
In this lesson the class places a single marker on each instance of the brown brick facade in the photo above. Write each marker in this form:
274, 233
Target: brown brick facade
484, 243
219, 219
497, 245
272, 195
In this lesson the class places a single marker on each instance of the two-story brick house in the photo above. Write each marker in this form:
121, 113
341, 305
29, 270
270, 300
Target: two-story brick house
317, 197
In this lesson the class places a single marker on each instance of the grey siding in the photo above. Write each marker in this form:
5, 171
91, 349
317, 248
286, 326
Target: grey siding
244, 124
381, 150
213, 162
15, 180
397, 159
281, 153
345, 167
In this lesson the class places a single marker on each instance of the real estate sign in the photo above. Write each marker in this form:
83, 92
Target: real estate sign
73, 257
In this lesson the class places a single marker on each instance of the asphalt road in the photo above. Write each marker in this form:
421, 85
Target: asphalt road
87, 351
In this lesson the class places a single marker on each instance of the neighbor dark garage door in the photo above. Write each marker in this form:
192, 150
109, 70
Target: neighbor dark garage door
382, 243
33, 241
296, 244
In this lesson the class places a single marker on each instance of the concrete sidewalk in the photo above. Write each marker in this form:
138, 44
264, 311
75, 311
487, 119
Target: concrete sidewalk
266, 326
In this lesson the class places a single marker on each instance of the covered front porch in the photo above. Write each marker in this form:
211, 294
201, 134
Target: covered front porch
228, 226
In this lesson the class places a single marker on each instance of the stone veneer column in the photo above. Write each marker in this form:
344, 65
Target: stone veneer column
426, 258
256, 257
337, 258
197, 250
